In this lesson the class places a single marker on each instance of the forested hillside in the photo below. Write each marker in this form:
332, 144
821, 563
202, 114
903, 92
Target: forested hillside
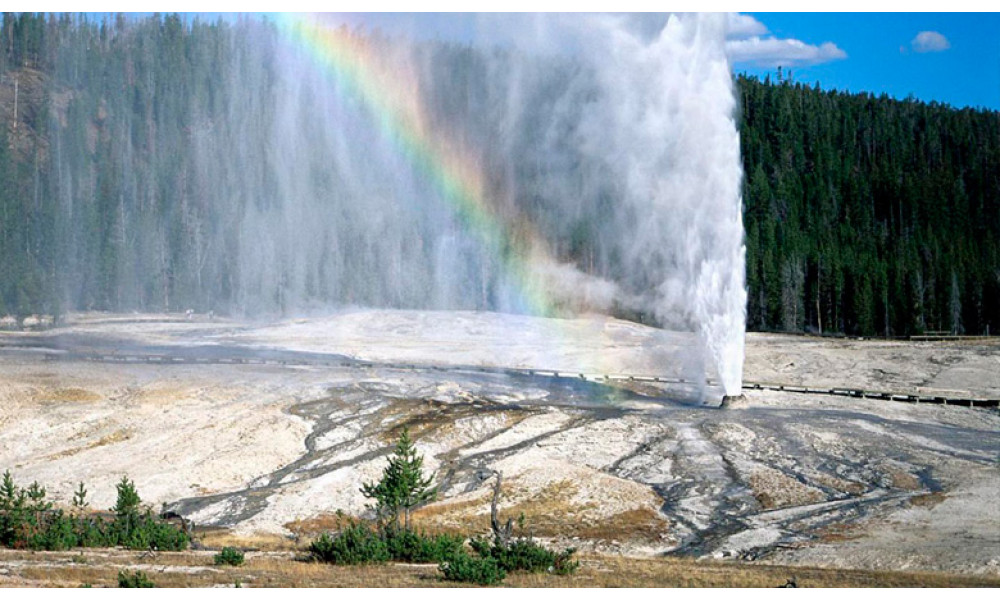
863, 215
869, 215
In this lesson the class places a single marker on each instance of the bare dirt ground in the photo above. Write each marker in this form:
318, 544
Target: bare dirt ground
268, 453
960, 368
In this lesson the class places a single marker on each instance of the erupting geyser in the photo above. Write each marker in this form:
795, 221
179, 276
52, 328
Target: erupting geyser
665, 128
591, 164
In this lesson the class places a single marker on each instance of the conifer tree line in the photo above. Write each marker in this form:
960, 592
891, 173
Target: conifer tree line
869, 215
864, 215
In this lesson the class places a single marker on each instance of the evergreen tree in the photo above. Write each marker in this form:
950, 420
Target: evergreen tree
403, 486
128, 501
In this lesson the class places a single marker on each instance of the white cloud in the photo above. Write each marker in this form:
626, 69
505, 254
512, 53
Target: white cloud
929, 41
773, 52
745, 26
749, 41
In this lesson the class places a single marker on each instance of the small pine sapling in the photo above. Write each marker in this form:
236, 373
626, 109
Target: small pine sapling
403, 486
80, 502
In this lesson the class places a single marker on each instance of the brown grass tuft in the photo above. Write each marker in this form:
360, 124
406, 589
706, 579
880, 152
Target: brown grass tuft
776, 490
638, 524
217, 539
70, 395
928, 500
840, 532
113, 438
841, 485
903, 480
314, 526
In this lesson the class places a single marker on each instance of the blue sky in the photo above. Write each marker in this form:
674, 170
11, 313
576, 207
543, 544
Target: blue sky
880, 53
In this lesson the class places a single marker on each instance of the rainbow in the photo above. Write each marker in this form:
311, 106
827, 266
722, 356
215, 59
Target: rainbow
392, 98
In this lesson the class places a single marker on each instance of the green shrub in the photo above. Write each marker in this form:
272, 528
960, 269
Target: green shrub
360, 543
525, 554
472, 569
91, 533
27, 520
134, 579
54, 531
229, 556
146, 531
21, 512
354, 544
137, 530
421, 547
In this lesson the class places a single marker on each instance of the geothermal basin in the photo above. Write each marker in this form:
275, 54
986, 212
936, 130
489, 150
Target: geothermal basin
270, 429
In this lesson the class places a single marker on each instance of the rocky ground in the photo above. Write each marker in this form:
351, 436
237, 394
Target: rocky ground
275, 450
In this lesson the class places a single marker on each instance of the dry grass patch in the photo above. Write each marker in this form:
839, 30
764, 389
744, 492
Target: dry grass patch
903, 480
221, 538
462, 517
550, 513
314, 526
554, 502
638, 524
119, 435
841, 485
68, 577
776, 490
99, 567
928, 500
839, 532
667, 572
192, 569
70, 394
113, 438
